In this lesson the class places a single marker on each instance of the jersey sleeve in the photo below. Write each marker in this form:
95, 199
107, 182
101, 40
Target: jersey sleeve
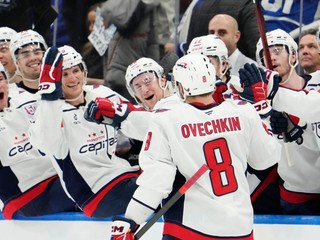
299, 103
265, 150
136, 125
155, 182
47, 131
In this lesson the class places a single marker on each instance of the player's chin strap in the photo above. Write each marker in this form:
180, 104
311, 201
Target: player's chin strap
292, 67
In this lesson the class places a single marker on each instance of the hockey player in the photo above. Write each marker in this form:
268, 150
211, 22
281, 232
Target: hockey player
4, 89
224, 137
27, 48
215, 49
147, 84
98, 181
297, 196
6, 34
29, 184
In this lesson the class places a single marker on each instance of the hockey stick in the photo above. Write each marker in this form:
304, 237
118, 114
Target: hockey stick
172, 201
262, 31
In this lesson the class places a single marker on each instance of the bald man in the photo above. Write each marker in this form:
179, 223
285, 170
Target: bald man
243, 11
226, 27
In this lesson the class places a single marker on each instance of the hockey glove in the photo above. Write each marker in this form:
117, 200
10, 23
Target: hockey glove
286, 124
295, 128
103, 110
253, 81
123, 228
50, 75
217, 95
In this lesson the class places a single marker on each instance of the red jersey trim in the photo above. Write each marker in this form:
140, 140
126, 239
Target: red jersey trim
295, 197
12, 206
184, 233
93, 204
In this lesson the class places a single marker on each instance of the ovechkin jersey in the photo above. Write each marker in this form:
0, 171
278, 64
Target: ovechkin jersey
22, 167
83, 150
180, 140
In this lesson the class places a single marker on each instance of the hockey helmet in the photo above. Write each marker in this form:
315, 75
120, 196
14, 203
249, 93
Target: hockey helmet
25, 38
71, 58
140, 66
6, 34
277, 37
196, 74
209, 45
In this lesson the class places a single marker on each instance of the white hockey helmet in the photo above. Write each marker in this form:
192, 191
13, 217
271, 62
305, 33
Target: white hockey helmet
25, 38
140, 66
71, 58
277, 37
6, 34
209, 45
4, 71
196, 74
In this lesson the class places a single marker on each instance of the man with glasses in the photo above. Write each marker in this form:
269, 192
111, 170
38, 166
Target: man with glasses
6, 34
27, 48
299, 163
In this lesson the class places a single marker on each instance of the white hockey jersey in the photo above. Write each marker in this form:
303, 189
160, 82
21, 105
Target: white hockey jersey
22, 166
180, 140
84, 151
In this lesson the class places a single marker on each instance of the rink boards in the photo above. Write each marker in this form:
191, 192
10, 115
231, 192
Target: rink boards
76, 226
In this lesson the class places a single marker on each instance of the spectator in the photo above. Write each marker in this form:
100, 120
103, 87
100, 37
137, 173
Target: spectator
165, 26
241, 10
183, 150
90, 55
5, 56
126, 46
226, 27
309, 51
98, 181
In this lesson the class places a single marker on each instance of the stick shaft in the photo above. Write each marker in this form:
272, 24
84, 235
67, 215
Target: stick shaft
262, 31
172, 201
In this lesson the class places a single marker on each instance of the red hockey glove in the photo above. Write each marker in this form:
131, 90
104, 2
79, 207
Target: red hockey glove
50, 75
217, 95
123, 228
254, 83
103, 110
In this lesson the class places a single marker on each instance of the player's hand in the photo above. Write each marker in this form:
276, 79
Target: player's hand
278, 122
290, 126
50, 75
254, 83
103, 110
217, 95
123, 228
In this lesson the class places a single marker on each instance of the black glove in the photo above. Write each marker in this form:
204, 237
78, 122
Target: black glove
287, 125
